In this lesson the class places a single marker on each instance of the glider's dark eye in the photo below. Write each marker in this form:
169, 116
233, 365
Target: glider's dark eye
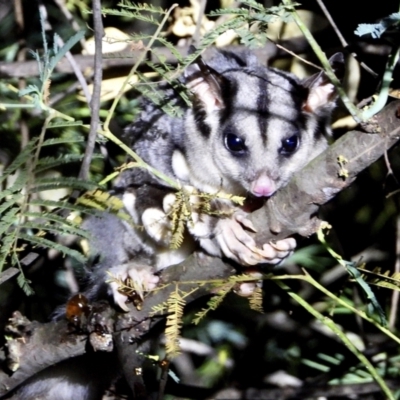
290, 144
235, 144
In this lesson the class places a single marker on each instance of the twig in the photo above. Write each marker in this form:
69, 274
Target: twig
332, 22
19, 18
106, 131
95, 101
78, 73
163, 379
341, 37
135, 67
196, 36
61, 5
325, 63
396, 294
70, 58
292, 53
140, 163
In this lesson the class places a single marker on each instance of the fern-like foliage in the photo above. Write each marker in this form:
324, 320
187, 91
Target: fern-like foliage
168, 104
103, 201
255, 300
217, 299
46, 64
189, 201
386, 279
222, 288
251, 22
385, 366
142, 12
176, 303
26, 220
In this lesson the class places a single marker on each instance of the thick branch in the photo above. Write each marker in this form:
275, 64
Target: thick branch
113, 60
126, 59
292, 209
43, 345
37, 347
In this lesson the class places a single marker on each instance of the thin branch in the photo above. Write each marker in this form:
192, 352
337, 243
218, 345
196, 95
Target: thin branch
396, 294
78, 73
293, 54
341, 37
338, 300
21, 57
126, 58
332, 22
196, 36
95, 101
136, 66
75, 26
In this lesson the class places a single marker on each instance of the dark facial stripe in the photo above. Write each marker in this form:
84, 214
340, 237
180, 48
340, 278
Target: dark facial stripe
262, 108
229, 90
199, 117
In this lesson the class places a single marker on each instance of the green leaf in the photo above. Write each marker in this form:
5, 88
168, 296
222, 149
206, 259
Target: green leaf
21, 159
72, 41
43, 184
376, 30
64, 226
374, 306
16, 187
8, 220
6, 245
25, 284
62, 229
52, 162
63, 205
15, 198
29, 90
63, 124
46, 243
54, 141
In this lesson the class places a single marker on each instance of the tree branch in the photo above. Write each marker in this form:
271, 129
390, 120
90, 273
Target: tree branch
293, 208
95, 100
35, 347
127, 58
